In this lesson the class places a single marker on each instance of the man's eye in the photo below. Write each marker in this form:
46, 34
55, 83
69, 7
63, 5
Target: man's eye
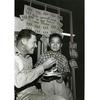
34, 42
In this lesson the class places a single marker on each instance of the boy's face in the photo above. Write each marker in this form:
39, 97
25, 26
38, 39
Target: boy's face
55, 44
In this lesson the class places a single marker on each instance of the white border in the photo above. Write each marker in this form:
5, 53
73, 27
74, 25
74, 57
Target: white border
92, 47
6, 50
92, 52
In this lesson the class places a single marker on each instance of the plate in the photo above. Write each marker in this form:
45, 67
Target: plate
47, 77
52, 74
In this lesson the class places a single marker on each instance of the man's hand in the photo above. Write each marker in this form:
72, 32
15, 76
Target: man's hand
48, 63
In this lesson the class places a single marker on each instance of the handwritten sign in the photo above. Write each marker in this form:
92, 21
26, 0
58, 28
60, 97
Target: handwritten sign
42, 22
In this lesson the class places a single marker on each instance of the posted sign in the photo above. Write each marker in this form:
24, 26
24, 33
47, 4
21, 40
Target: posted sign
42, 22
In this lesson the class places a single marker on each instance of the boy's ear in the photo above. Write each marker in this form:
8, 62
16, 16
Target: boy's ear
24, 41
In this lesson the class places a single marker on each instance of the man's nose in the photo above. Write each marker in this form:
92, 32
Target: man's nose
35, 45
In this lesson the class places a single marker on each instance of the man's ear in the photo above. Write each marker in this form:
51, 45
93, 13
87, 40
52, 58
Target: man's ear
61, 44
24, 41
49, 44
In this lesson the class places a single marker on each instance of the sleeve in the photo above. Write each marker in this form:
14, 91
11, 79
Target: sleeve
65, 67
39, 61
23, 77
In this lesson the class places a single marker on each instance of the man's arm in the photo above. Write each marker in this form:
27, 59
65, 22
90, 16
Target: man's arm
23, 77
26, 76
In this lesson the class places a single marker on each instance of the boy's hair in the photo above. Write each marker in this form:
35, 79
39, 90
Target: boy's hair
55, 35
25, 33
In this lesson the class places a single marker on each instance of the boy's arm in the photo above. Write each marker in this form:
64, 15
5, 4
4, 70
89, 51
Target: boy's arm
65, 68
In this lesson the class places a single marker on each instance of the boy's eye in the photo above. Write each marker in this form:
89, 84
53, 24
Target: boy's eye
55, 42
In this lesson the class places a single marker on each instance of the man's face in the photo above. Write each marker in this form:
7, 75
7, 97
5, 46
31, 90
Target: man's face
31, 44
55, 44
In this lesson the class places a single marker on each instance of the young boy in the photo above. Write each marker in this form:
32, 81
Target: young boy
57, 85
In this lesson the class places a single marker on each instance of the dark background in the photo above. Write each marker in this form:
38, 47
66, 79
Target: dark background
77, 8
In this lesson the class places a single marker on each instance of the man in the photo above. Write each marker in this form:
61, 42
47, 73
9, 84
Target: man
24, 74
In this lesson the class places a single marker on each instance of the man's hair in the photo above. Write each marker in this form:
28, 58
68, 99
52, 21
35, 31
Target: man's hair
55, 35
25, 33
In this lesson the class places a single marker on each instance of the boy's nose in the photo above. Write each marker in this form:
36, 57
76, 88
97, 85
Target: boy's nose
55, 44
